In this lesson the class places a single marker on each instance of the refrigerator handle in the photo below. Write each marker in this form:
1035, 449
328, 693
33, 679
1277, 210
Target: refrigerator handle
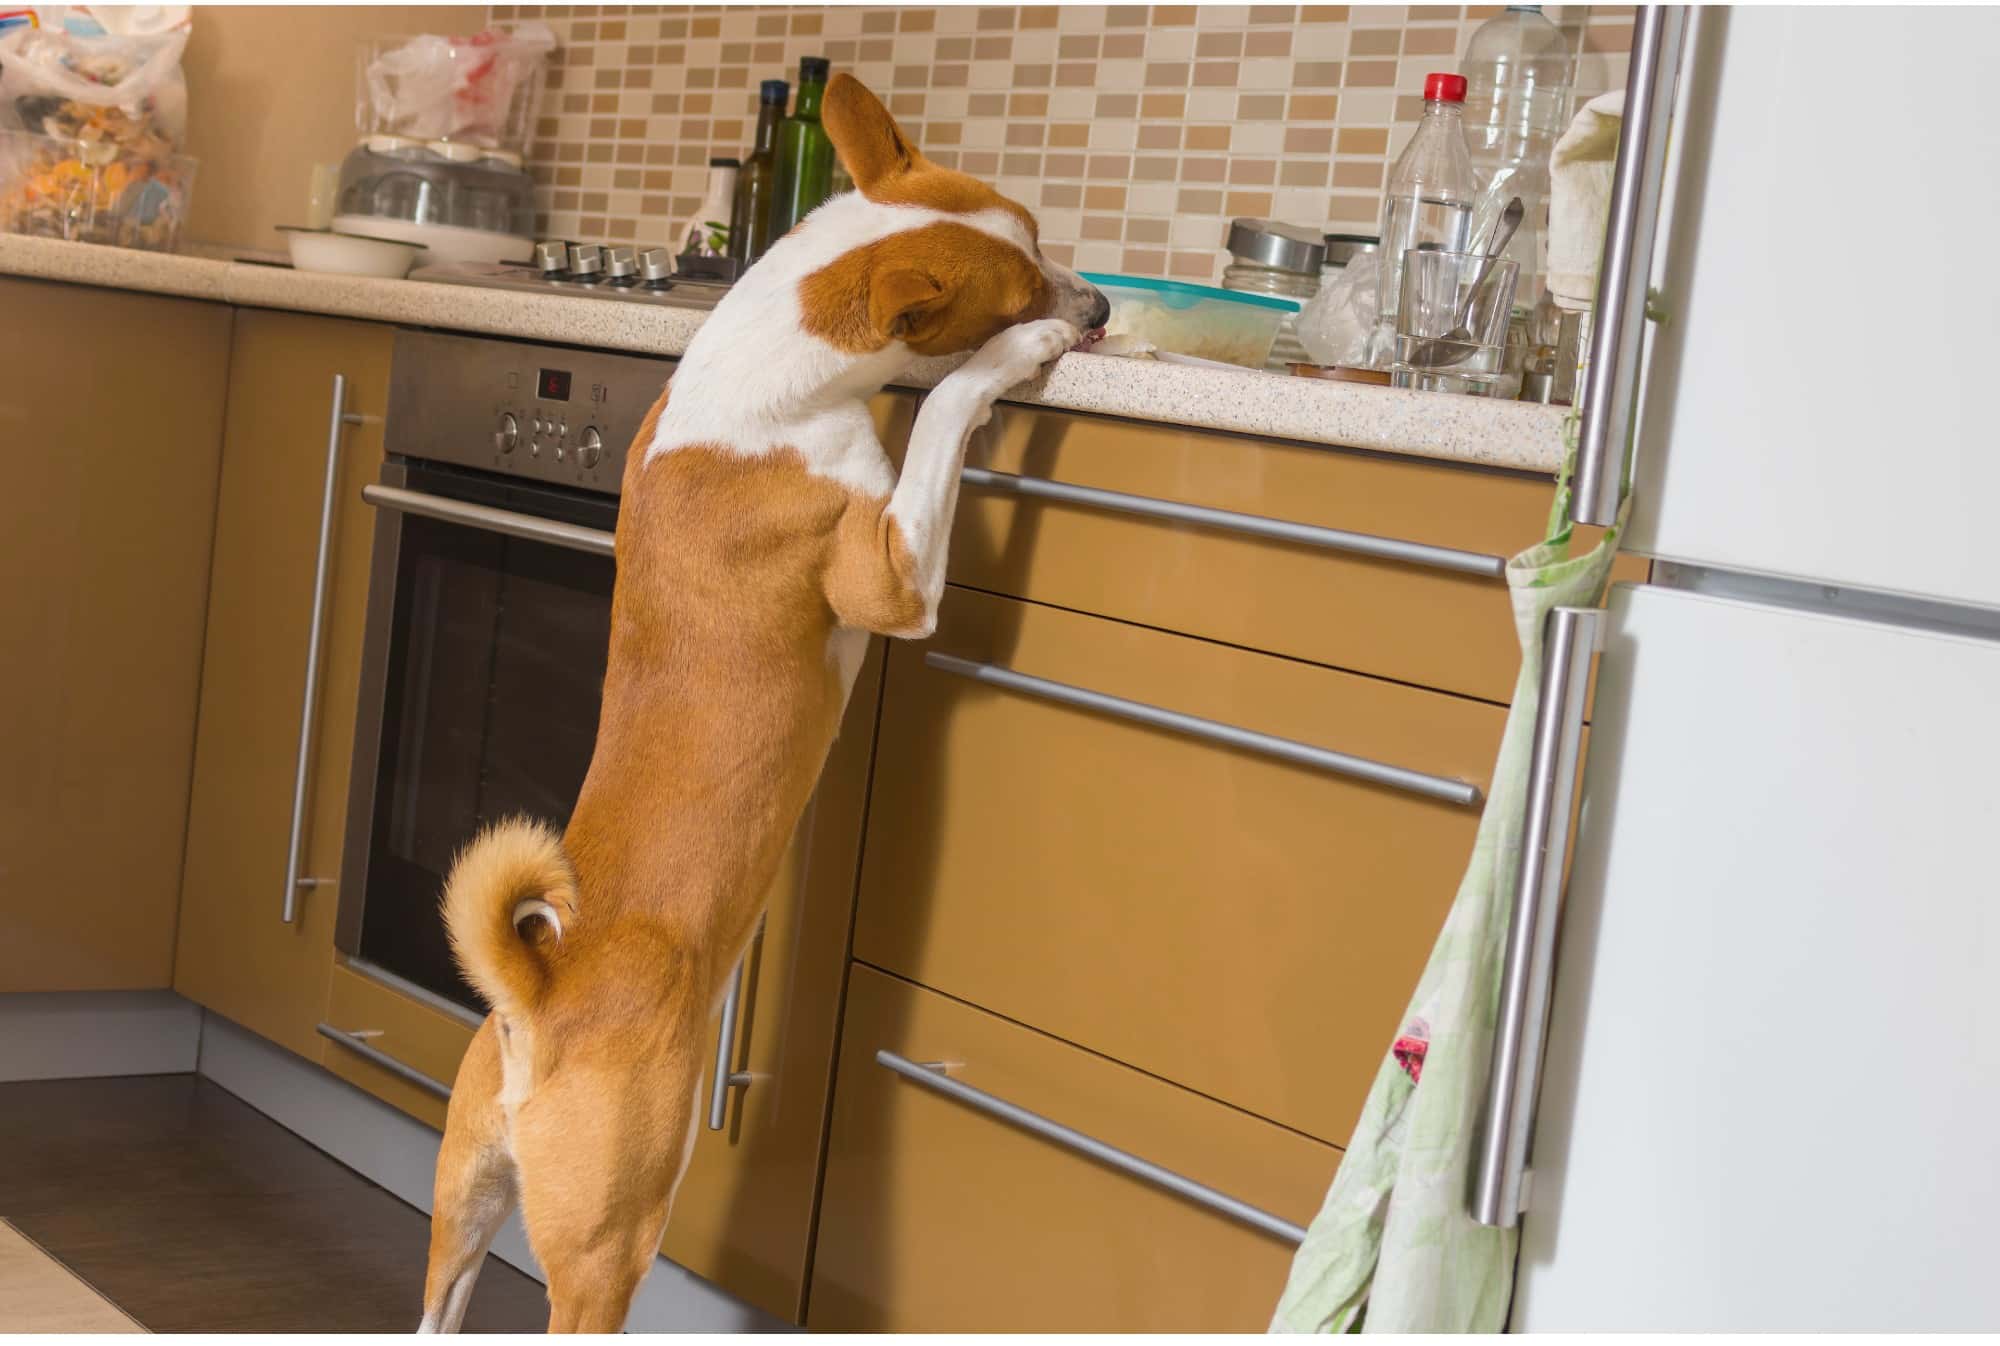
1610, 379
1500, 1153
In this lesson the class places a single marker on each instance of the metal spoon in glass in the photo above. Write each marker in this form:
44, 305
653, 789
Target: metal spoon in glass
1458, 343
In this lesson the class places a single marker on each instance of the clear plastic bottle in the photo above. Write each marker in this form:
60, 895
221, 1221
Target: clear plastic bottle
1428, 202
1517, 70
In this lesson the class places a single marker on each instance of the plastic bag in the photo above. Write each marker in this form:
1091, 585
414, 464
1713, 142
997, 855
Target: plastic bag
1336, 323
455, 88
97, 75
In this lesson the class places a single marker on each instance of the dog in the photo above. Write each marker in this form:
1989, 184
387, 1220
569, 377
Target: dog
762, 538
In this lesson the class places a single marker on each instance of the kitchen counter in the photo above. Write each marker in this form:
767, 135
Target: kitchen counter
1517, 435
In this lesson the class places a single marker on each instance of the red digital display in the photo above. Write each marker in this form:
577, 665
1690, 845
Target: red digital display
553, 385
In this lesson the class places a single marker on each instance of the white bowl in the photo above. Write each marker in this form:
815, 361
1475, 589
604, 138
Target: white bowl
349, 254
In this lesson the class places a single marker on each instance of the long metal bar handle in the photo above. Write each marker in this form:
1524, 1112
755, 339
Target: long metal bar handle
338, 419
1447, 788
1499, 1161
353, 1042
1230, 521
532, 527
932, 1077
1610, 382
724, 1080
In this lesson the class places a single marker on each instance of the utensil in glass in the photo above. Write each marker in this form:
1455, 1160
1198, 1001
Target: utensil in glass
1451, 323
1503, 234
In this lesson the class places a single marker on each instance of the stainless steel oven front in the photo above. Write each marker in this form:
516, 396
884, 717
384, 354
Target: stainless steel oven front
489, 612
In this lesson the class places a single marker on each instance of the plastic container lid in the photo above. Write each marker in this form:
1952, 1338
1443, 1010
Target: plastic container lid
1179, 294
1272, 243
1442, 88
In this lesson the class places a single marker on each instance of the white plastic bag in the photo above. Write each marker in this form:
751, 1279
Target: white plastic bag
74, 77
1335, 324
454, 88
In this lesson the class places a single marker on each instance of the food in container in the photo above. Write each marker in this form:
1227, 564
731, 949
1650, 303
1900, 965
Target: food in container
132, 195
1196, 320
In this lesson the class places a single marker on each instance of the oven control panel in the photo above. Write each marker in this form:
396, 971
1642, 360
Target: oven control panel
547, 413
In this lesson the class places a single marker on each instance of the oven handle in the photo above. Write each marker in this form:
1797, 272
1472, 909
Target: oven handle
337, 421
511, 522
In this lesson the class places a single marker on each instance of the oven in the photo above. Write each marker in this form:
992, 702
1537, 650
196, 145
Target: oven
489, 614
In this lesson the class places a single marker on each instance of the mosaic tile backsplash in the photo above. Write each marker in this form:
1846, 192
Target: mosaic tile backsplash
1135, 132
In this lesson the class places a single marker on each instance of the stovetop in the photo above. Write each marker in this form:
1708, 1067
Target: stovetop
621, 274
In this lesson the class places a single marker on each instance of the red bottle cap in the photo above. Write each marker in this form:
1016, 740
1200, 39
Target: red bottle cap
1439, 88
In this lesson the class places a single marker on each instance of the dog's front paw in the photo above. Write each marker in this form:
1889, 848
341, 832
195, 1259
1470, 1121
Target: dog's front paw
1018, 353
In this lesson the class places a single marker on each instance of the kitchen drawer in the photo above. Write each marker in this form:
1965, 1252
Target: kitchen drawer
408, 1031
1245, 926
940, 1217
1399, 619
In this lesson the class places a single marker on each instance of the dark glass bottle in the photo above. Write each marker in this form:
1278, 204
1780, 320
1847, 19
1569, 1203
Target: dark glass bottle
805, 155
750, 219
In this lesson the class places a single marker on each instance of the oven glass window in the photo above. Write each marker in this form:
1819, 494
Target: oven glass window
496, 670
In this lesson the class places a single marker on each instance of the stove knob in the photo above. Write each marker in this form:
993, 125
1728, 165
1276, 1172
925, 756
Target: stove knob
509, 434
622, 263
586, 259
552, 258
590, 448
656, 264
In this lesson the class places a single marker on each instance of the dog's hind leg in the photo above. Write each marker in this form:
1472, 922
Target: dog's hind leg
475, 1185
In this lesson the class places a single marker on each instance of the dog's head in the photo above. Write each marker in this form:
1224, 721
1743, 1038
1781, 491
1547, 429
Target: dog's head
934, 259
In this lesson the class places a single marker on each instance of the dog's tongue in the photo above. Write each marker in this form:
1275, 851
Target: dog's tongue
1090, 338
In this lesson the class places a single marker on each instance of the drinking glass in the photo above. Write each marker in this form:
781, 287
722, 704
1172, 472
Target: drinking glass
1451, 326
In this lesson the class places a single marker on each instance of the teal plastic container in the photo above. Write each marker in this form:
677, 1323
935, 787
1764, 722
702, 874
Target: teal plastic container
1194, 320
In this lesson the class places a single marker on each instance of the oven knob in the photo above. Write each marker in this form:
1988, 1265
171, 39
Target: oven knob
590, 448
552, 258
509, 434
655, 264
585, 259
620, 263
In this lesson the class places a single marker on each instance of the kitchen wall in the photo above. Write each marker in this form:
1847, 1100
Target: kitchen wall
270, 93
1135, 132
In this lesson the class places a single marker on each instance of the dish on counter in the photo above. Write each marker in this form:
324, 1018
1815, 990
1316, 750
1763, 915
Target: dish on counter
1226, 326
348, 254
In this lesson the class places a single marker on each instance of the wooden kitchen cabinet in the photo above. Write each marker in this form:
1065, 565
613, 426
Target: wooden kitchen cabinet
111, 421
236, 954
938, 1217
1245, 926
743, 1216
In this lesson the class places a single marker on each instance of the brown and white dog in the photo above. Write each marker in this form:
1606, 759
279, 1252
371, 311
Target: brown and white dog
763, 536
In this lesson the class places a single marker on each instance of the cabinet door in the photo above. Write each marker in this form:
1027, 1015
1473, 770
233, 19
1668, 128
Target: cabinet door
237, 955
111, 421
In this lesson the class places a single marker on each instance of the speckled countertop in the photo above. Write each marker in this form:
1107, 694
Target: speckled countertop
1315, 411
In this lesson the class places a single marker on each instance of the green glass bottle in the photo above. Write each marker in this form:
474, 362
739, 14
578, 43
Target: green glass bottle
750, 219
805, 155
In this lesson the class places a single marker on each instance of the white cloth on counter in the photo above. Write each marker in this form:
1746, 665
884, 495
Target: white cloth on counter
1580, 171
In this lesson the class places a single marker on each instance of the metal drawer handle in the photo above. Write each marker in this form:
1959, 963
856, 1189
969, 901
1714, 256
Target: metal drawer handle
512, 523
338, 419
1450, 790
376, 1056
1499, 1159
724, 1079
1229, 521
932, 1077
1610, 379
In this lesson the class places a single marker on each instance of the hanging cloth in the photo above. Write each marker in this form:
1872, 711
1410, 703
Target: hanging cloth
1393, 1248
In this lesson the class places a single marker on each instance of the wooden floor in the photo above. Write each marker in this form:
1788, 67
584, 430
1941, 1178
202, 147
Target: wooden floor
193, 1212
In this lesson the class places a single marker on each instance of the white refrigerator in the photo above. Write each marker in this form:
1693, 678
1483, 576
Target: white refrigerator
1769, 1089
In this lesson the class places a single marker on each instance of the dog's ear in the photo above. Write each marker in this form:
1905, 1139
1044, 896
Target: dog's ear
870, 144
904, 303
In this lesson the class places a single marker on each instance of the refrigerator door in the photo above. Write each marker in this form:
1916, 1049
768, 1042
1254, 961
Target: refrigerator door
1821, 403
1772, 1086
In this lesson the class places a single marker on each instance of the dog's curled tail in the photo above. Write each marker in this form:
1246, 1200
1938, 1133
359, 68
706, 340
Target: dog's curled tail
510, 899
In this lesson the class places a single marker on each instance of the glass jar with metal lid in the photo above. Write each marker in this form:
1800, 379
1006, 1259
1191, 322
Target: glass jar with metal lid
1270, 257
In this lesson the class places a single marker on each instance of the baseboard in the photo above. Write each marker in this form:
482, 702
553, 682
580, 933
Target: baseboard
399, 1153
71, 1035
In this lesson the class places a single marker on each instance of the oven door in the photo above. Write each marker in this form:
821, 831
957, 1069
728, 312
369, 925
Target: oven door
489, 614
